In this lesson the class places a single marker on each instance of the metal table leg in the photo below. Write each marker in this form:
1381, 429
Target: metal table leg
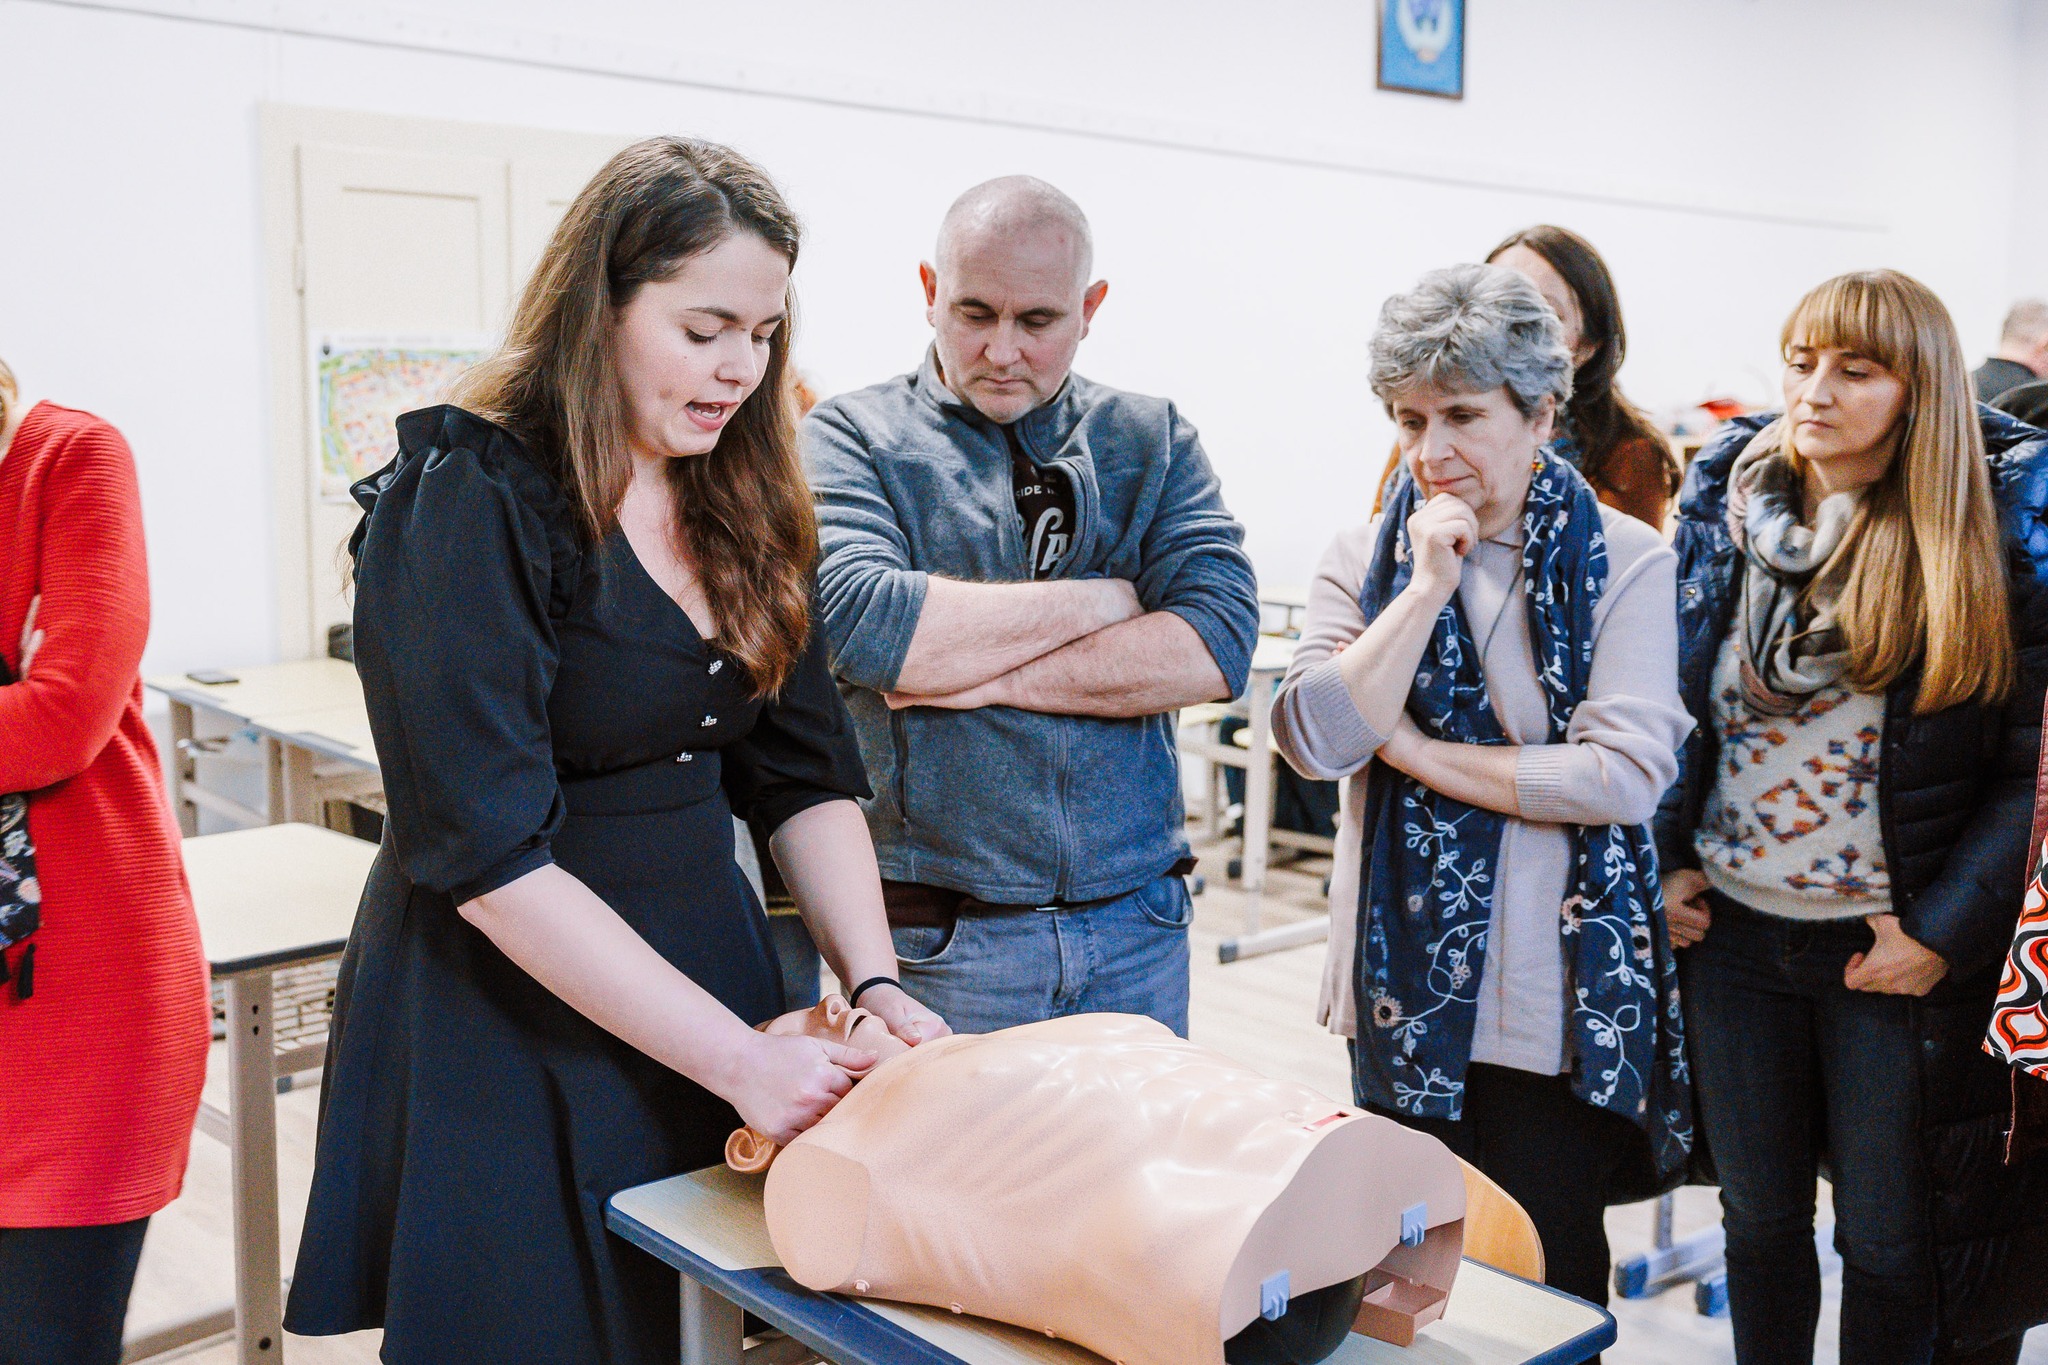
298, 802
1258, 789
182, 806
713, 1328
252, 1094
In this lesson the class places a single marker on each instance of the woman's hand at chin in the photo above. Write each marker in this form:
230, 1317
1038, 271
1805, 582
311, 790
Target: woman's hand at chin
1441, 533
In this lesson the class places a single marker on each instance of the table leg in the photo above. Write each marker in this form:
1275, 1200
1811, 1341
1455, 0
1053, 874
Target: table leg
295, 772
713, 1329
181, 755
1258, 783
252, 1094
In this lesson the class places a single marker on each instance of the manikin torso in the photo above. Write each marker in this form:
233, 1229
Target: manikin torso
1101, 1180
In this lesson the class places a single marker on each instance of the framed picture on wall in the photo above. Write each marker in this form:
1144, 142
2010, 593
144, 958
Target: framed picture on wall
1422, 47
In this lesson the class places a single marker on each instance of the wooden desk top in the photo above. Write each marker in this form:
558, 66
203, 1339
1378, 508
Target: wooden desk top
270, 689
341, 732
275, 895
1289, 595
1272, 654
316, 704
708, 1225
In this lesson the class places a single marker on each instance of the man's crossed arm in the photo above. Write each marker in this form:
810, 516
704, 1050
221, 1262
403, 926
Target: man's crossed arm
1067, 647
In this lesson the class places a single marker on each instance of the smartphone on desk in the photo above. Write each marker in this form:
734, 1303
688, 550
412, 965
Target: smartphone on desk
212, 677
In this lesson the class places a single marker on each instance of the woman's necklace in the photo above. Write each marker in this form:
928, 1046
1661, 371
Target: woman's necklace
1507, 601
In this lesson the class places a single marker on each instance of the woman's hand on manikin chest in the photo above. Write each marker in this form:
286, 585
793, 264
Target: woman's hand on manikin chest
647, 516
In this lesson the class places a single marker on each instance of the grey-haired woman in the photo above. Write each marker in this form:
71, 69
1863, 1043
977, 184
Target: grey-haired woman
1506, 648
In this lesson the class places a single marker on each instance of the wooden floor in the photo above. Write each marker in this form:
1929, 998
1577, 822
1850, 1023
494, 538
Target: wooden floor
1259, 1010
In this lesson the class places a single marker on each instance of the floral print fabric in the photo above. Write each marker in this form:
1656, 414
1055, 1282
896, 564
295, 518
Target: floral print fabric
1430, 861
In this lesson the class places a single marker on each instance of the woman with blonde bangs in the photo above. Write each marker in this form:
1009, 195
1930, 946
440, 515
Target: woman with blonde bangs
584, 624
1863, 641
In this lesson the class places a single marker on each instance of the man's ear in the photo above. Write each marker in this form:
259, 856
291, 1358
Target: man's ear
1092, 300
930, 279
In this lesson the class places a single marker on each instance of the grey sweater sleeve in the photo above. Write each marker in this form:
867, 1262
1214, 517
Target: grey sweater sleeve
870, 596
1621, 748
1316, 725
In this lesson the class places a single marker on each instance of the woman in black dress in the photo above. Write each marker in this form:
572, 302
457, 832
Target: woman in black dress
583, 622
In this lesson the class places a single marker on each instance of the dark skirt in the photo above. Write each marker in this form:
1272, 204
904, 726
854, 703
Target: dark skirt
473, 1125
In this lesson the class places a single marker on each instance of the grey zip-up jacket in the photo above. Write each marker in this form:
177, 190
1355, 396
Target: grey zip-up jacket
1015, 807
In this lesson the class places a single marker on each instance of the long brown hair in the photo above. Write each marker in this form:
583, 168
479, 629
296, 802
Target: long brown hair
1603, 420
743, 512
1926, 581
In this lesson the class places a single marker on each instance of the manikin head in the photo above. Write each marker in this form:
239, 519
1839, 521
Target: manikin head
831, 1020
1008, 294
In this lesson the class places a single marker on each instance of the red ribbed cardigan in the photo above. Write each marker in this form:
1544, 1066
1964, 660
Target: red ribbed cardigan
100, 1068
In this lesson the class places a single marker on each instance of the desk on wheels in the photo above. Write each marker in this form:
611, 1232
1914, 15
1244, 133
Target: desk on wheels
309, 717
708, 1226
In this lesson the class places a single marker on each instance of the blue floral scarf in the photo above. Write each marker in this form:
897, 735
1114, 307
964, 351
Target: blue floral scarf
1426, 890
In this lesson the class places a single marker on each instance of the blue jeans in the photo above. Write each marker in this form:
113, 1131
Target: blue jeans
1783, 1056
996, 968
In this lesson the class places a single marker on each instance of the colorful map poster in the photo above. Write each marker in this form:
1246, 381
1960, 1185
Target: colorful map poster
362, 383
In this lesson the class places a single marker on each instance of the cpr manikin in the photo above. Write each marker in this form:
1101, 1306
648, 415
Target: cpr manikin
1101, 1180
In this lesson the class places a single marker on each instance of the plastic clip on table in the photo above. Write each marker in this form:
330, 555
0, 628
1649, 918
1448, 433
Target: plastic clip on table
268, 899
708, 1226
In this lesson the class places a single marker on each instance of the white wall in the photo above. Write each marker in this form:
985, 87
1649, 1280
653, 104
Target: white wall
1254, 196
2029, 166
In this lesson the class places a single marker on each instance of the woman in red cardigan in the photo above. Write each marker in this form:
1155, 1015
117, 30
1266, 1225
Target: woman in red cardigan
103, 1041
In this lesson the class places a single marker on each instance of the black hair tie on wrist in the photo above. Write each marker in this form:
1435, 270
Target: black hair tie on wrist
862, 988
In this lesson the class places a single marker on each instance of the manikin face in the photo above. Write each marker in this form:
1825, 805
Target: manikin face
1009, 310
1478, 447
1843, 410
1556, 293
691, 348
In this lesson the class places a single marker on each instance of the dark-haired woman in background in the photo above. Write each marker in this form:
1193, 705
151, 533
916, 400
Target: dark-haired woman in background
1628, 461
583, 620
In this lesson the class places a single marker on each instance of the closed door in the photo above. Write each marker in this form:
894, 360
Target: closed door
400, 245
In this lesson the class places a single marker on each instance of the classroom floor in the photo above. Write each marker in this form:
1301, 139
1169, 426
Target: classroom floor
1259, 1010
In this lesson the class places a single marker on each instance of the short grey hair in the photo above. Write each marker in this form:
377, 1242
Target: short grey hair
1471, 329
2027, 323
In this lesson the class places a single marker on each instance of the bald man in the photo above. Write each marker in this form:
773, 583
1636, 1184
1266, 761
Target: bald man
1025, 575
2022, 354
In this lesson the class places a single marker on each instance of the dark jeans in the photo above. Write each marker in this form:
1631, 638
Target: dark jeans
1555, 1154
1786, 1058
64, 1292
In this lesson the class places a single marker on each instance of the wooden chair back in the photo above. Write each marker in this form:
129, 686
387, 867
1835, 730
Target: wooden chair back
1498, 1232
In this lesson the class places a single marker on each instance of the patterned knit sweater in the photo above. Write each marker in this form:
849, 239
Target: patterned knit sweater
1791, 826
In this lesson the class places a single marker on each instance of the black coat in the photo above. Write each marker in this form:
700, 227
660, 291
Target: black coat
1955, 799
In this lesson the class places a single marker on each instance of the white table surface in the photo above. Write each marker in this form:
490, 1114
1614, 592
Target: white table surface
275, 894
270, 689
